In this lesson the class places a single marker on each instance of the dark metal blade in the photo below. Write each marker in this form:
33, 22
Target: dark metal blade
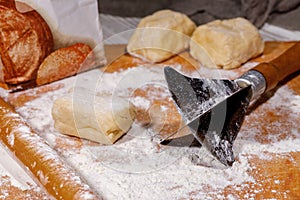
217, 128
214, 110
195, 96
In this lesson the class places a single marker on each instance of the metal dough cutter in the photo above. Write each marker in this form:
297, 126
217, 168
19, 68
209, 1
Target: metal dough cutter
214, 110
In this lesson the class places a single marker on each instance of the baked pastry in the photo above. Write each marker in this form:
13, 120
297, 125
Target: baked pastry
25, 41
99, 118
160, 36
226, 44
65, 62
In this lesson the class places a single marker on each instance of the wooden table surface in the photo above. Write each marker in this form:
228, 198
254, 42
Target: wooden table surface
278, 175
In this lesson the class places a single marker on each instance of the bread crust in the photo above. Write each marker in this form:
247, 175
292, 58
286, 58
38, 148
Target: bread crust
25, 40
65, 62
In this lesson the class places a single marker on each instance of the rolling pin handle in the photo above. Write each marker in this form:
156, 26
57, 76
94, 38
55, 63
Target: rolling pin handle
282, 66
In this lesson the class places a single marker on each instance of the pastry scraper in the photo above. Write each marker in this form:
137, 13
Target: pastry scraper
214, 110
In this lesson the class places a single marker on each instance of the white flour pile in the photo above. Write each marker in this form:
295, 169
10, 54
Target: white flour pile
134, 167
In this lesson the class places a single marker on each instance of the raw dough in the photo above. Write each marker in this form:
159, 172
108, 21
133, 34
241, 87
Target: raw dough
226, 44
100, 118
161, 35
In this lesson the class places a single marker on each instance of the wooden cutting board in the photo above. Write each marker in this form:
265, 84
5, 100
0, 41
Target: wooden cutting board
275, 175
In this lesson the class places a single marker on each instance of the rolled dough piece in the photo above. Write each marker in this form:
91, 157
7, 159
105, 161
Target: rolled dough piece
99, 118
161, 35
226, 44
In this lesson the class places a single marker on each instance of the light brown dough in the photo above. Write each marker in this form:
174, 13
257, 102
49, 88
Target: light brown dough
226, 44
161, 35
100, 118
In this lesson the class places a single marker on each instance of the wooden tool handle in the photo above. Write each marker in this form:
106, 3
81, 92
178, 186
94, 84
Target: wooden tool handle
44, 163
285, 64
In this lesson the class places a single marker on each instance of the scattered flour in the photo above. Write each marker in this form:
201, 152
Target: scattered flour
141, 102
134, 167
295, 104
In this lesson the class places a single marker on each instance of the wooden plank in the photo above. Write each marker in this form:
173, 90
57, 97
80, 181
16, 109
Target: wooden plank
275, 177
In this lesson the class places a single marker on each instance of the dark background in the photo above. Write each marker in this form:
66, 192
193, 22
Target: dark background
284, 13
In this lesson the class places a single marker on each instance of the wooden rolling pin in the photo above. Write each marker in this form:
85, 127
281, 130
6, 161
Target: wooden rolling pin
59, 179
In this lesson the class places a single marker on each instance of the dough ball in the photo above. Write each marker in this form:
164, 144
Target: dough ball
100, 118
226, 44
161, 35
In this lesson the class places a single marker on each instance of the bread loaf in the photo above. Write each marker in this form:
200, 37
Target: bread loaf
25, 40
226, 44
161, 35
65, 62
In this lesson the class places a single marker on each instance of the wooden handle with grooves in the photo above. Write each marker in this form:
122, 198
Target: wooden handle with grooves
44, 163
282, 66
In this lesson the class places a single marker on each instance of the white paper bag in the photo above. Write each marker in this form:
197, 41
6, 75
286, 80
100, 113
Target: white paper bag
72, 21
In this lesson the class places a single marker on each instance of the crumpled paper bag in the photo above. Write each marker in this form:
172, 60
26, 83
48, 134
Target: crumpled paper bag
72, 21
30, 55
